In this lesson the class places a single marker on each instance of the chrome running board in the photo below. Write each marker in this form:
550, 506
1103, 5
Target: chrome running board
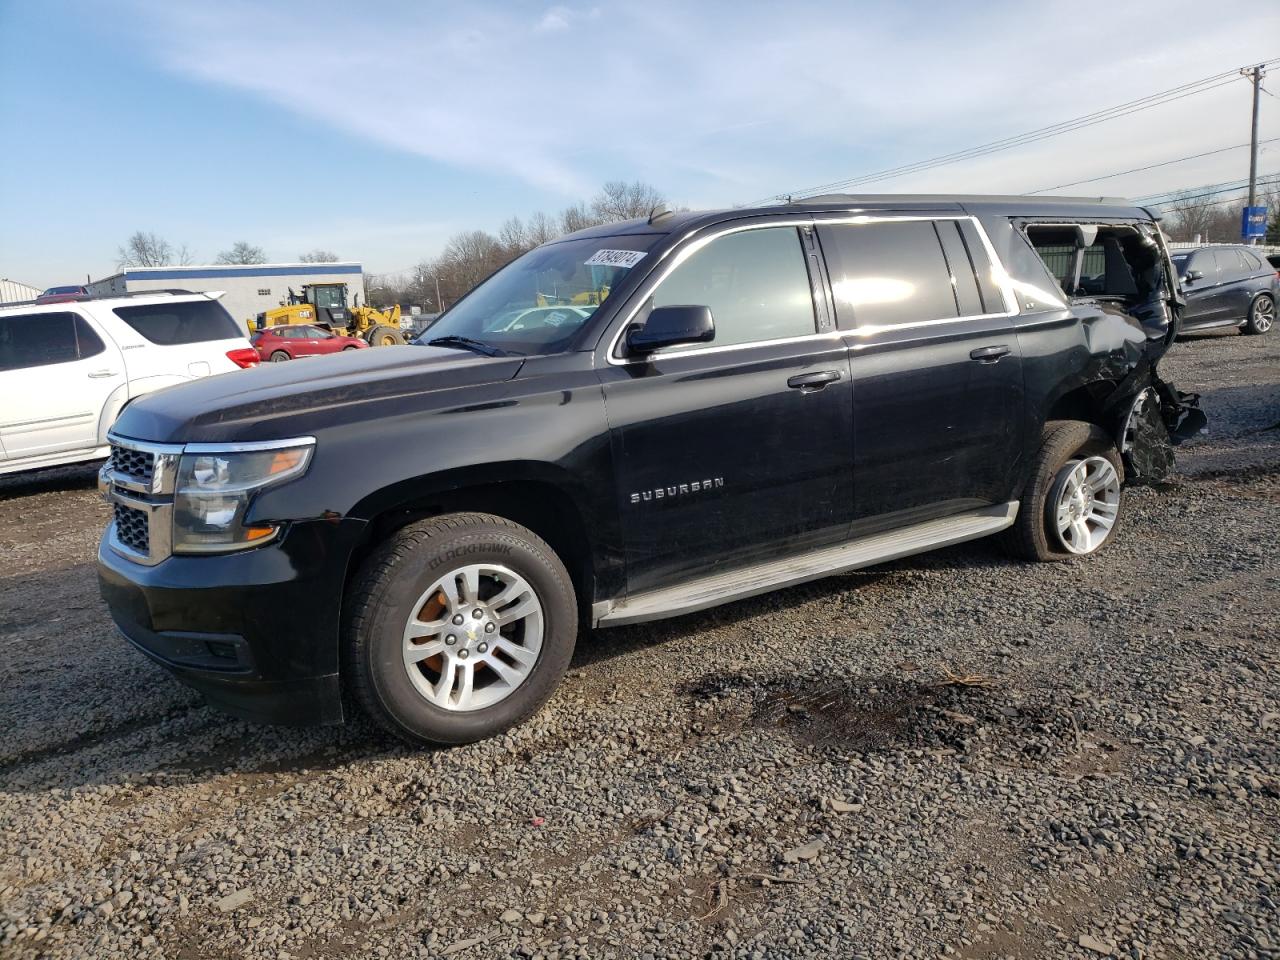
762, 577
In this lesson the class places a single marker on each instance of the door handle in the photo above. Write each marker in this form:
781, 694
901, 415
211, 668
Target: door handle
989, 354
813, 381
99, 374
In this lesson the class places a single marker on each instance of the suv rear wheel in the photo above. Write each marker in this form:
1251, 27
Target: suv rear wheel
1072, 503
457, 628
1262, 314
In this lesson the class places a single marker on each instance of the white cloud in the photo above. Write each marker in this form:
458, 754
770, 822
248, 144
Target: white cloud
721, 102
554, 20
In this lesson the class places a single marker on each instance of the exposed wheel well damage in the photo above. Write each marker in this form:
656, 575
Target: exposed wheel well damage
1123, 272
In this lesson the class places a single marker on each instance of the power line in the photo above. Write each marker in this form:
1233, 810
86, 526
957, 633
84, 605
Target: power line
1171, 95
1182, 192
1215, 203
1152, 166
1223, 188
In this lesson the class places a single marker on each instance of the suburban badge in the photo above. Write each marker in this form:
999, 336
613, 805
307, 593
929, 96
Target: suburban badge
677, 490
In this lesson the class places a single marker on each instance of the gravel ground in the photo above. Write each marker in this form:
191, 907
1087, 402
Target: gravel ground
787, 776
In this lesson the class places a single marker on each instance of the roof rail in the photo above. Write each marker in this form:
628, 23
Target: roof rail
84, 297
834, 198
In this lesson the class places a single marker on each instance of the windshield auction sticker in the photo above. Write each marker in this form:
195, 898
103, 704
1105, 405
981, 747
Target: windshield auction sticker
615, 258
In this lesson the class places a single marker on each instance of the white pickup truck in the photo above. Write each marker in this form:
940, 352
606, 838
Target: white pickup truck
67, 369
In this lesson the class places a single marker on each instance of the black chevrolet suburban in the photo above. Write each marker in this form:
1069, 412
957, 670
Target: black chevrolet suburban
637, 421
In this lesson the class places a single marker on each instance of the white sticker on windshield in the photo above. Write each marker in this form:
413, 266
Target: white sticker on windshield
616, 258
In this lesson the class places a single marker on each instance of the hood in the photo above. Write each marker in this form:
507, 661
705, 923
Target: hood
277, 400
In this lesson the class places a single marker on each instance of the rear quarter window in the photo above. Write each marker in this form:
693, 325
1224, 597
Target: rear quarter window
173, 324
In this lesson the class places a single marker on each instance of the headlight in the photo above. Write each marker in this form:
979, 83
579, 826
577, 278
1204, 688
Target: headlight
215, 487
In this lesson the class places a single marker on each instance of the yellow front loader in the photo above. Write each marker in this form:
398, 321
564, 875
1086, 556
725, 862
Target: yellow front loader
325, 305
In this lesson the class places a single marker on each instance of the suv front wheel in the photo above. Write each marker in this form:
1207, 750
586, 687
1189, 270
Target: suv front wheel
1072, 502
458, 628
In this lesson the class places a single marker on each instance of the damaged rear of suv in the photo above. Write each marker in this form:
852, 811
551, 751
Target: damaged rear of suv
1115, 278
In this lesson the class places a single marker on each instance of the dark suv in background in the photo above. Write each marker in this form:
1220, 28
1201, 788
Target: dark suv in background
1227, 286
722, 403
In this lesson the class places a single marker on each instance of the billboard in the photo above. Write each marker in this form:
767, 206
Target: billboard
1253, 223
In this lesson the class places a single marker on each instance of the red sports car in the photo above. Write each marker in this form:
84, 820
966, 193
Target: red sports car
295, 340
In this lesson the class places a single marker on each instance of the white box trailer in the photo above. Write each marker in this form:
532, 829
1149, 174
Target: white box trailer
248, 289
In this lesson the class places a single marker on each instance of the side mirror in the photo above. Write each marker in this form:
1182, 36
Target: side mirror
668, 326
1192, 275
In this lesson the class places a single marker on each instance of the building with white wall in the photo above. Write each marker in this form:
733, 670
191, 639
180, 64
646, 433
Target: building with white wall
248, 289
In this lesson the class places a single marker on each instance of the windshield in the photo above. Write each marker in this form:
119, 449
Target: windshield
537, 303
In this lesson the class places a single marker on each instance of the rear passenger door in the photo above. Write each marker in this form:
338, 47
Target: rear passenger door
1238, 284
937, 378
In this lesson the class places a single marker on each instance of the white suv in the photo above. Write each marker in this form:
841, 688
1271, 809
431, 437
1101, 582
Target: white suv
67, 369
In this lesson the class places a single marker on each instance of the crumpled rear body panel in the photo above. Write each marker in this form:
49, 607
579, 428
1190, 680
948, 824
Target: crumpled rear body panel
1095, 353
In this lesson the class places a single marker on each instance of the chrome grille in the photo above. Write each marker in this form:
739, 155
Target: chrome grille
139, 480
136, 465
133, 528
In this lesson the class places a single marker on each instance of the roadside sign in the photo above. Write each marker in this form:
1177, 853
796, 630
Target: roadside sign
1253, 224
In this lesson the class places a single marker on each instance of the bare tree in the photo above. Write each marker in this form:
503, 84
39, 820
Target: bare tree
471, 256
619, 200
577, 217
319, 256
145, 249
467, 259
242, 252
540, 229
514, 237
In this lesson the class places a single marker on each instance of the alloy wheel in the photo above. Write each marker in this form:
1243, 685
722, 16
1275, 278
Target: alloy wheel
473, 637
1264, 314
1087, 503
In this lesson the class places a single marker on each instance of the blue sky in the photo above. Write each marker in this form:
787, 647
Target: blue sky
377, 130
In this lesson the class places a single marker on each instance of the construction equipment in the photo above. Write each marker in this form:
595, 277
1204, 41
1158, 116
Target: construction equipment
325, 305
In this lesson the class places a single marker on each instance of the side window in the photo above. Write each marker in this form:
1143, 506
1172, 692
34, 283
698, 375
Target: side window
1249, 264
1228, 266
988, 289
889, 273
1204, 262
183, 322
44, 339
963, 283
755, 282
88, 343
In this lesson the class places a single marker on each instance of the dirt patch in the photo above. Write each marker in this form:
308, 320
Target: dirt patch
877, 714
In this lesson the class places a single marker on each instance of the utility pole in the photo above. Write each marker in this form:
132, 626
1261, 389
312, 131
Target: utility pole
1255, 76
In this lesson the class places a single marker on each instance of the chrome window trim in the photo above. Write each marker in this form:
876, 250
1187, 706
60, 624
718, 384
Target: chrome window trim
668, 264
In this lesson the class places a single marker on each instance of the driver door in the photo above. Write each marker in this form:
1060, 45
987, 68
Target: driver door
741, 448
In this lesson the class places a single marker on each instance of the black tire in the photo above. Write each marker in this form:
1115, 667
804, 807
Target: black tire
1033, 535
352, 347
390, 583
279, 356
1262, 315
382, 335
